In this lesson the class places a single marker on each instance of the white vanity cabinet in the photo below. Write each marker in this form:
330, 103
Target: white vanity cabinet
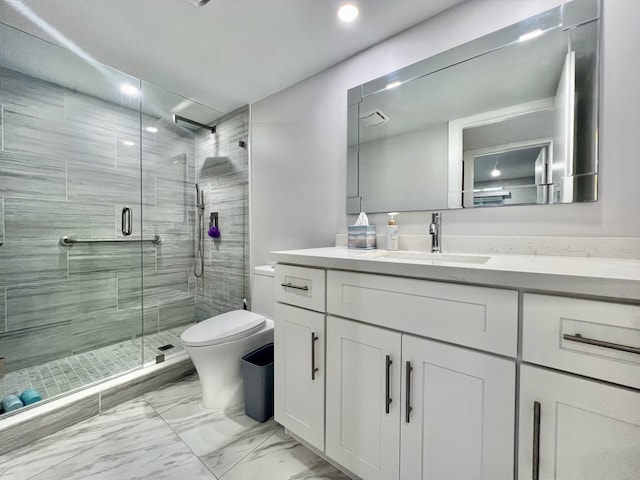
402, 406
363, 398
477, 317
299, 347
428, 366
457, 414
573, 427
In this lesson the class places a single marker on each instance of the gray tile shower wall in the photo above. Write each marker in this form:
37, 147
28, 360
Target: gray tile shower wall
222, 167
65, 170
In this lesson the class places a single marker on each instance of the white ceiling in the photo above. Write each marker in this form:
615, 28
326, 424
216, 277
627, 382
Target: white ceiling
225, 54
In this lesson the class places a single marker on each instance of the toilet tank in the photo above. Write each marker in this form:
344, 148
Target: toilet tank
263, 294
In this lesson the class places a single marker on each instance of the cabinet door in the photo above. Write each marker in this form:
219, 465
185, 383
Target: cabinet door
572, 428
461, 413
361, 435
299, 372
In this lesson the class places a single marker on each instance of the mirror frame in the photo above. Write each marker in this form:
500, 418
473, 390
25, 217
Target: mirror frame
566, 17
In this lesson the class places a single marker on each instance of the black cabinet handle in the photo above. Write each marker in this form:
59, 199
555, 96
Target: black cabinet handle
387, 387
408, 392
314, 369
535, 473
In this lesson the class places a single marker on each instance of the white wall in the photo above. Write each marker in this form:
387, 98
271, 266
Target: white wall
415, 177
298, 169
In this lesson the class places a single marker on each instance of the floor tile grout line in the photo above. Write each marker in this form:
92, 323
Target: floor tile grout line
79, 451
252, 450
180, 438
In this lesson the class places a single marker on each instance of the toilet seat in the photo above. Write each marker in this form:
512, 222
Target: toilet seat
223, 328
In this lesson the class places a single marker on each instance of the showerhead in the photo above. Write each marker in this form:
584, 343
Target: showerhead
178, 118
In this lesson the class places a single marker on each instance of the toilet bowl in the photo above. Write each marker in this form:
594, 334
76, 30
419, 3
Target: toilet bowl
216, 345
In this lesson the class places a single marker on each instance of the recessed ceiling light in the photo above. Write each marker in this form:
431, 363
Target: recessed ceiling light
393, 85
128, 143
152, 129
348, 12
129, 89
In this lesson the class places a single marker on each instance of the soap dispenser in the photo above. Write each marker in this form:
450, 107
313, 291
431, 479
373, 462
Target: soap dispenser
392, 232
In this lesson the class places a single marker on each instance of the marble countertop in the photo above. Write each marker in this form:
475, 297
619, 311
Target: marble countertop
600, 277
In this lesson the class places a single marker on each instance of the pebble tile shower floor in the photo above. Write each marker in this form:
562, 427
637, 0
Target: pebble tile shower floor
67, 374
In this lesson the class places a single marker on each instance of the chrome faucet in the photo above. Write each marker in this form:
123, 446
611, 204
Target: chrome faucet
434, 231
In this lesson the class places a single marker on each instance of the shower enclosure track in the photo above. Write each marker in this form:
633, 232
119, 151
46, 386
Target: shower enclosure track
68, 241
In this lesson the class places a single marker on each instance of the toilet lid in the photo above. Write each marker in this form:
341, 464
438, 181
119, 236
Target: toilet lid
223, 328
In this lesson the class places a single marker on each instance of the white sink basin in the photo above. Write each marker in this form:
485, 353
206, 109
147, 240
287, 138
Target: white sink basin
425, 256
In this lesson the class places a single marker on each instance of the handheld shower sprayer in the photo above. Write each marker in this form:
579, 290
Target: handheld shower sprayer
199, 198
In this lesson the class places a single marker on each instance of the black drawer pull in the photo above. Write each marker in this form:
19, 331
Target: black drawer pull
290, 285
599, 343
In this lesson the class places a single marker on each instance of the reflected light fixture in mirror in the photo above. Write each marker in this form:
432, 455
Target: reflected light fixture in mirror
348, 12
129, 89
495, 172
530, 35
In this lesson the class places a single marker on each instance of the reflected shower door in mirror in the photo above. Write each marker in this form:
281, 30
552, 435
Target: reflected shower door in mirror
508, 119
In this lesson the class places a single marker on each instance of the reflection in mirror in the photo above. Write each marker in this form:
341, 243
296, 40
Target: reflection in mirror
428, 136
508, 177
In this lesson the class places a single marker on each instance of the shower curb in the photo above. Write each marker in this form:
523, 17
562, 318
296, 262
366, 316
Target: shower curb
42, 420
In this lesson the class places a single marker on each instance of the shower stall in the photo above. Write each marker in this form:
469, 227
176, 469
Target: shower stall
98, 218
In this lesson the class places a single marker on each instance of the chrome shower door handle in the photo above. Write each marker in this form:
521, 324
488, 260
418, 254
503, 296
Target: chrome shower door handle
127, 221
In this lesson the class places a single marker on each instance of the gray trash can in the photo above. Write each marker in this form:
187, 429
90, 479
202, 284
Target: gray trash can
257, 374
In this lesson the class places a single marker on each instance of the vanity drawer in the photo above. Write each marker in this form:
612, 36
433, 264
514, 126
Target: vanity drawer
478, 317
586, 337
300, 286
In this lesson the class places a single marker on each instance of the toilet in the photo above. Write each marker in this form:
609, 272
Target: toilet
216, 345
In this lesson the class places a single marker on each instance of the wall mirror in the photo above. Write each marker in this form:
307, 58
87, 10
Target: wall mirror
510, 118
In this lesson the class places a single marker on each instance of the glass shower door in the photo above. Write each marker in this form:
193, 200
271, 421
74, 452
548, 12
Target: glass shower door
70, 261
169, 151
168, 212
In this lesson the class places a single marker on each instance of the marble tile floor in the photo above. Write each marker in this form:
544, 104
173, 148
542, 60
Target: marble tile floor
67, 374
166, 434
